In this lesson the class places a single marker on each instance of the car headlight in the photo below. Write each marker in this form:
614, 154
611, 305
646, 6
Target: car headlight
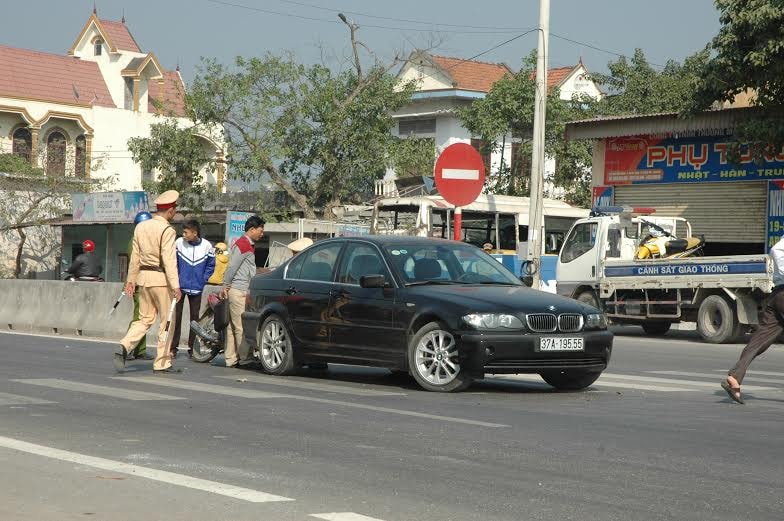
492, 321
595, 321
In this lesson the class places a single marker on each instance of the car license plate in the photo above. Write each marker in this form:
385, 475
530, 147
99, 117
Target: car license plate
550, 343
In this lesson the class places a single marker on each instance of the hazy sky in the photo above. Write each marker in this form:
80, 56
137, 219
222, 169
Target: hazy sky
180, 31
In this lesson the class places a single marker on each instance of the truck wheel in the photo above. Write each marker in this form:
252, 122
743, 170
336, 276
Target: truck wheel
589, 297
656, 328
717, 322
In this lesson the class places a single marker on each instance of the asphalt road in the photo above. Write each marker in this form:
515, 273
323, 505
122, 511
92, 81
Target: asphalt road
654, 438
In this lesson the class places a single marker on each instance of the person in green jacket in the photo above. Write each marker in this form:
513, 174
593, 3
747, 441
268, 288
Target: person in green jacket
140, 351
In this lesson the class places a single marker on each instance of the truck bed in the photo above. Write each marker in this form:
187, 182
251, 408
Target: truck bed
731, 272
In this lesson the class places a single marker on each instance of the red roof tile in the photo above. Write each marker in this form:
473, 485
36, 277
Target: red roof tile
556, 76
472, 75
171, 97
50, 77
119, 36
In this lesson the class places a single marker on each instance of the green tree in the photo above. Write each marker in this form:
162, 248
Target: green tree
322, 136
414, 157
507, 112
748, 55
634, 86
181, 156
28, 199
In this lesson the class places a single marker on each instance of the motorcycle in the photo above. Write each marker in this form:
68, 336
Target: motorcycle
210, 338
661, 244
73, 278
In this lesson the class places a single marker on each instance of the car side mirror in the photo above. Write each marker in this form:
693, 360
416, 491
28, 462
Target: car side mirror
528, 280
372, 281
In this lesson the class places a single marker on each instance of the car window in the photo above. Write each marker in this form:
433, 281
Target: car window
580, 241
442, 262
317, 263
358, 261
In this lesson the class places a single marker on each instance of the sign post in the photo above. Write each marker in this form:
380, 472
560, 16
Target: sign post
460, 177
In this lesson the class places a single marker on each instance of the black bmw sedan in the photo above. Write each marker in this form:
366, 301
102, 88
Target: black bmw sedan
443, 311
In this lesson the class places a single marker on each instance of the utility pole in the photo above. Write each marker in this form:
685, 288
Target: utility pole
536, 207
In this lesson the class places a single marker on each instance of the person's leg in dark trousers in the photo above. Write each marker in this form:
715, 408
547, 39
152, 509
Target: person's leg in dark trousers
175, 342
194, 305
771, 326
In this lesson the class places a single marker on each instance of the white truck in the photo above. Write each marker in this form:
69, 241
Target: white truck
599, 264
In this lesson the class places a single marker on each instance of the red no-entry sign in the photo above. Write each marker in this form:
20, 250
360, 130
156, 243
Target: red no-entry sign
459, 176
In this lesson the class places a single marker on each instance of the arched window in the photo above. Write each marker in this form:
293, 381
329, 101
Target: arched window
81, 157
22, 143
55, 154
98, 46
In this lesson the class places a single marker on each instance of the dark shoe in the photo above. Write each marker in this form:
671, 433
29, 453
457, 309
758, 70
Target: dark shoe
733, 393
190, 353
148, 356
167, 370
120, 356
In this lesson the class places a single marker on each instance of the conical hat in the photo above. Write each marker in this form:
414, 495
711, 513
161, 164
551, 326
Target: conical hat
300, 244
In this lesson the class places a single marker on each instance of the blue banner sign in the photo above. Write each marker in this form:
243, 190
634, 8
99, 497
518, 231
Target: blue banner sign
664, 270
108, 207
775, 212
705, 159
235, 226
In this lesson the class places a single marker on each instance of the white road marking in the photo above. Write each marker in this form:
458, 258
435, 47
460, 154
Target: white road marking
763, 373
713, 376
79, 387
249, 393
223, 489
537, 381
15, 399
299, 383
62, 337
344, 516
460, 173
679, 382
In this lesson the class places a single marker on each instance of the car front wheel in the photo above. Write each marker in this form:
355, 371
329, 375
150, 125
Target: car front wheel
433, 359
572, 380
275, 348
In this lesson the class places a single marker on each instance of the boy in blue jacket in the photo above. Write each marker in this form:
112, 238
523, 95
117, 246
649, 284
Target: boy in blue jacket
195, 264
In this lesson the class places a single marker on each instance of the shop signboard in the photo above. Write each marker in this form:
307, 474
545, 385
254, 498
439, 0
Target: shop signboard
701, 159
110, 207
602, 196
235, 226
775, 213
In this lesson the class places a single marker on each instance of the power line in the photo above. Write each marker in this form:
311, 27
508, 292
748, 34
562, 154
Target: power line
314, 19
406, 20
598, 48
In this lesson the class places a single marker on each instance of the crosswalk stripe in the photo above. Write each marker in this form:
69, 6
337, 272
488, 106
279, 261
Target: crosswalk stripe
223, 489
537, 381
114, 392
763, 373
300, 383
15, 399
691, 383
713, 376
250, 393
344, 516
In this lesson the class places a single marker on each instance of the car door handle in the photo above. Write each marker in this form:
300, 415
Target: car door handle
291, 290
338, 292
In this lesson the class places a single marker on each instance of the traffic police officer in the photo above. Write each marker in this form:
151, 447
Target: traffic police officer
153, 267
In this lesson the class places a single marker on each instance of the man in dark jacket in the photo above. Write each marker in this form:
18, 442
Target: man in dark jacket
86, 264
195, 265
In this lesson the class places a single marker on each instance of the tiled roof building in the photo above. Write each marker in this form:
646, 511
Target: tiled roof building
73, 113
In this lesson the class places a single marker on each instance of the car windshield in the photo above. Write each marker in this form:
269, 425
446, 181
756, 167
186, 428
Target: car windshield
446, 263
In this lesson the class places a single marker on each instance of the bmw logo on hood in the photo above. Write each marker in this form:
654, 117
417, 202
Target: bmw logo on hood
551, 308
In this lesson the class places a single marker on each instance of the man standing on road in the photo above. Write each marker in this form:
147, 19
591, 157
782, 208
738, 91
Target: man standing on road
153, 267
140, 351
771, 326
236, 281
195, 265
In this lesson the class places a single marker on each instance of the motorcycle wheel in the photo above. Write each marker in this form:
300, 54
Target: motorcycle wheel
203, 352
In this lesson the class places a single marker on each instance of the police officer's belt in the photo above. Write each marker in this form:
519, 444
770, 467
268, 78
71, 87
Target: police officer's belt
152, 268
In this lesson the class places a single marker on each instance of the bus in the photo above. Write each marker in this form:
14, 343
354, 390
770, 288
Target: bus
499, 220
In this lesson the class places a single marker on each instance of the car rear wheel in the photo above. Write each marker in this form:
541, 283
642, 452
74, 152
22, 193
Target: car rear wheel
433, 359
275, 349
572, 380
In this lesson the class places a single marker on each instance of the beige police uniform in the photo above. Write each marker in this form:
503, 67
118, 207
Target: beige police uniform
153, 268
